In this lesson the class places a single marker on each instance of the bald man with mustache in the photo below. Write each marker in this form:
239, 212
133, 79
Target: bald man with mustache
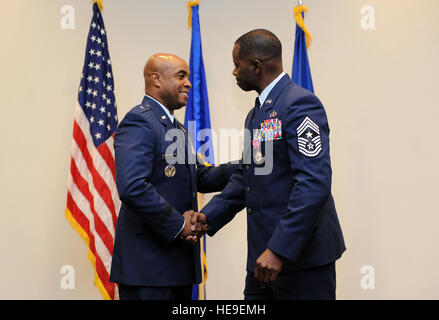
156, 253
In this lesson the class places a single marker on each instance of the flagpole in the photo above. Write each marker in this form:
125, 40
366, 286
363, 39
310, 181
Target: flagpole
197, 111
300, 2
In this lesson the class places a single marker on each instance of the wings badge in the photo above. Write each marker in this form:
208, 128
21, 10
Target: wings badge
308, 138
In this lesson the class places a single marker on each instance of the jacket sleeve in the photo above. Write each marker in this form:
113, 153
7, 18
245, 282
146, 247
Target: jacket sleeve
310, 172
135, 147
224, 206
212, 179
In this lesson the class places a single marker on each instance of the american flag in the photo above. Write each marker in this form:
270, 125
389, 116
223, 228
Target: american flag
92, 199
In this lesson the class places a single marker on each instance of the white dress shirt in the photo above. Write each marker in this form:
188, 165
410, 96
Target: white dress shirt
264, 94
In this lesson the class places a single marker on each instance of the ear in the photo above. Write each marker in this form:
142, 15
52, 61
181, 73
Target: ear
155, 77
257, 66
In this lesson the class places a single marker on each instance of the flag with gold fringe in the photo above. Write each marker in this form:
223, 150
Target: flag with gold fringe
301, 70
92, 199
197, 120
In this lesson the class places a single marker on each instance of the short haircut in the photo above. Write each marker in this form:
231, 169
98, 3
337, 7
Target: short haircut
261, 44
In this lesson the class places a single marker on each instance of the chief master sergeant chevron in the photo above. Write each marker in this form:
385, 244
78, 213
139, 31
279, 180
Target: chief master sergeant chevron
294, 235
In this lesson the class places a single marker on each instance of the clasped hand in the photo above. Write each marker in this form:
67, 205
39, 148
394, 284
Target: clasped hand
195, 226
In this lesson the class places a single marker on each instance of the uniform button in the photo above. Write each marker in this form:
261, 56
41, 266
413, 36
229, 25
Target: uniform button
246, 167
248, 189
249, 211
194, 195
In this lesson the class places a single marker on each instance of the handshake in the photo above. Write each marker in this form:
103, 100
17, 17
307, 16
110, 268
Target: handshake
194, 228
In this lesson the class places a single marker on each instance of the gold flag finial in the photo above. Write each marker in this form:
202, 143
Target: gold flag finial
299, 20
191, 4
100, 4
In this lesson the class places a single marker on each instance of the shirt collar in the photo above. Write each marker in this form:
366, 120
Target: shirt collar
170, 116
264, 94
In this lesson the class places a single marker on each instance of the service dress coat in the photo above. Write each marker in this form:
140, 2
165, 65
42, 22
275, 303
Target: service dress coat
288, 200
154, 196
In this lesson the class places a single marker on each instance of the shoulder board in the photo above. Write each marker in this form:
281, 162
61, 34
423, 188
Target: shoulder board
141, 108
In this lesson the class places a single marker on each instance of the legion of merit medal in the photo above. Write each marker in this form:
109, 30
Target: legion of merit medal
257, 154
258, 157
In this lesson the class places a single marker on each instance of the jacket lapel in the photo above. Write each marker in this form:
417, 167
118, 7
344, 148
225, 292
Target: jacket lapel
164, 119
183, 145
188, 145
158, 110
248, 135
270, 102
250, 118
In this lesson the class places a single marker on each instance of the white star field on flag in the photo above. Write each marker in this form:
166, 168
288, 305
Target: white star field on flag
95, 93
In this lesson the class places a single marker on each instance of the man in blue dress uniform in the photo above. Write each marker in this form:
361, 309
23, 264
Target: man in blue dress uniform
284, 181
156, 253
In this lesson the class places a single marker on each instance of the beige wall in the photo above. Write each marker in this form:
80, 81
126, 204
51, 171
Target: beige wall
378, 87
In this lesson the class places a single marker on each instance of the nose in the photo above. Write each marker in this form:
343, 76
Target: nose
188, 84
234, 72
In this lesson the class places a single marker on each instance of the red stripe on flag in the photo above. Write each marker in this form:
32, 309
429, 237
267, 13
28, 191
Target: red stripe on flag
77, 214
100, 227
98, 182
105, 277
106, 154
102, 273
